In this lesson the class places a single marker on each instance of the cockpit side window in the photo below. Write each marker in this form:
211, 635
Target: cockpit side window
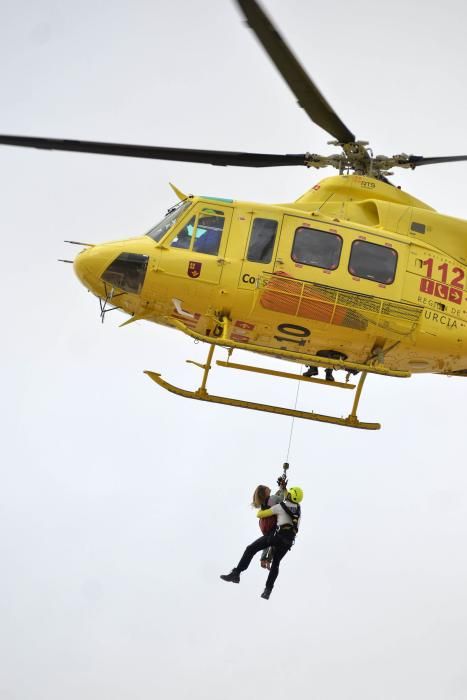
172, 216
202, 234
209, 232
184, 237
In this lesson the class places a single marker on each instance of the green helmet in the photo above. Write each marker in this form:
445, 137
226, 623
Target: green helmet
296, 494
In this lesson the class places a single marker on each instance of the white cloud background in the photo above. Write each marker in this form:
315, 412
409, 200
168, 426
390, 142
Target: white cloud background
120, 505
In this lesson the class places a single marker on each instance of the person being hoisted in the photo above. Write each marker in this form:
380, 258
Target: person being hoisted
264, 499
288, 514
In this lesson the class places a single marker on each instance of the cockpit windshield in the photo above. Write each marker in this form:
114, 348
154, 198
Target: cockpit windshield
174, 213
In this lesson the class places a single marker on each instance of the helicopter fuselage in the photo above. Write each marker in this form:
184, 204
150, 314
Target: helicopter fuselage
354, 267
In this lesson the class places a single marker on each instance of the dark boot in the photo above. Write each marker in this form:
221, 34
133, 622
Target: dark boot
329, 377
266, 593
311, 372
233, 577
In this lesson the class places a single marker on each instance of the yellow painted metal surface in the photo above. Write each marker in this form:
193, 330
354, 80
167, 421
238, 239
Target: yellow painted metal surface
290, 354
415, 322
285, 375
202, 395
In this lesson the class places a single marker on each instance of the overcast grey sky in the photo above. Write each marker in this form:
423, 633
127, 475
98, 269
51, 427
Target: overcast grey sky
120, 505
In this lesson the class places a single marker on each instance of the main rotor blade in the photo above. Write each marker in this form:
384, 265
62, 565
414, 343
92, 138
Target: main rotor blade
306, 92
415, 161
186, 155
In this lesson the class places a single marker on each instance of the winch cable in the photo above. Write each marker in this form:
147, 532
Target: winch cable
283, 480
293, 420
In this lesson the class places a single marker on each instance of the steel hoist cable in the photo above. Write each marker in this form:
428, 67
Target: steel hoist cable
293, 420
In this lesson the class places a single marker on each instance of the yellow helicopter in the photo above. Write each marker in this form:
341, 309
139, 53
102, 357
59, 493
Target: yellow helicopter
355, 275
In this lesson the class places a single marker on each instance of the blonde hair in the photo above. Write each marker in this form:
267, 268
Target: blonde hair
260, 495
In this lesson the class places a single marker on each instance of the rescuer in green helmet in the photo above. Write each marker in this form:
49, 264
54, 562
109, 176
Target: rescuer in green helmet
288, 514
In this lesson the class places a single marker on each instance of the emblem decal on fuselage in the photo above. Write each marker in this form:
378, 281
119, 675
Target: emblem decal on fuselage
194, 269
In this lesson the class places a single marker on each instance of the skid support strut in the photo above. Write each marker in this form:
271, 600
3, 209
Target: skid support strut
201, 394
207, 369
353, 415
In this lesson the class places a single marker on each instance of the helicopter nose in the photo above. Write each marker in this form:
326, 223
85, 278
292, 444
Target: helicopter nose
89, 265
108, 266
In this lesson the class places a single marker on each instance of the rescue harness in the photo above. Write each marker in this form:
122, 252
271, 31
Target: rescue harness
294, 516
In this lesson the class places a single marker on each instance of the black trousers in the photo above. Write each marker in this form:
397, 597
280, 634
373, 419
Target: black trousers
282, 540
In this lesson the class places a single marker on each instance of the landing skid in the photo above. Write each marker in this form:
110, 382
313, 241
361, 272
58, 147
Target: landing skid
201, 394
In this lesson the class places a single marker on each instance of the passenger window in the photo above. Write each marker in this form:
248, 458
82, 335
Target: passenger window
262, 238
209, 232
373, 262
316, 248
183, 237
